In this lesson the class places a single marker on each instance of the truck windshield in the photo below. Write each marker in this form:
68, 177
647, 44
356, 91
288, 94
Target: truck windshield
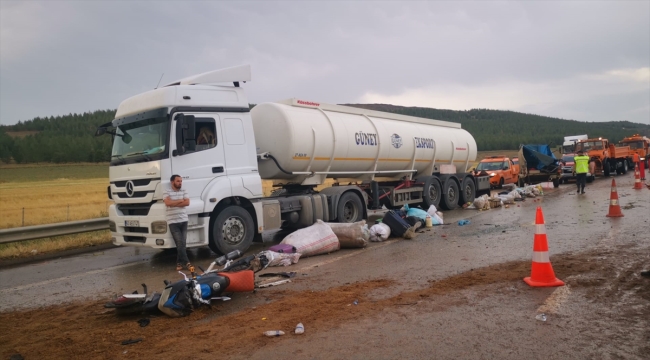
490, 166
567, 158
634, 145
589, 145
139, 141
566, 149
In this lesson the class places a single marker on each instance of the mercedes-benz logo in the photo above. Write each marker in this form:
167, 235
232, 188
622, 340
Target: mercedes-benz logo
129, 188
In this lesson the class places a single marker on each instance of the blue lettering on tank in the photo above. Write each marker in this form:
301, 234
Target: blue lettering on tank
361, 138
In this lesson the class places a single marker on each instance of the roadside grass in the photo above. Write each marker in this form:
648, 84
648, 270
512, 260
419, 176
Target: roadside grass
31, 248
45, 172
47, 202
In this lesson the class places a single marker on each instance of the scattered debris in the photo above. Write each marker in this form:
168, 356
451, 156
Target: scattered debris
300, 329
144, 322
463, 222
131, 341
541, 317
274, 333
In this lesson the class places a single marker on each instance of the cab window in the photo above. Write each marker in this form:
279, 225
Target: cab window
205, 131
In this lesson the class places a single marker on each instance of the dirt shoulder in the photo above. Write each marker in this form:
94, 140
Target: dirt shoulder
604, 281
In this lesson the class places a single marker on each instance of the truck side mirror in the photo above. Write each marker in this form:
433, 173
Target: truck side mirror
185, 131
100, 131
189, 129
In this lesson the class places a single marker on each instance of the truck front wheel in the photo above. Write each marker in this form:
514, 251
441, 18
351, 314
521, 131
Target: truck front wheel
232, 229
349, 208
606, 168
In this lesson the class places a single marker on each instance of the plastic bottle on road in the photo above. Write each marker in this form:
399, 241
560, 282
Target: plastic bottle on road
273, 333
300, 329
428, 222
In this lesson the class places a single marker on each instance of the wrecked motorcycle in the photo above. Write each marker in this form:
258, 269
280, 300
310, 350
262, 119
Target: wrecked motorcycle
182, 297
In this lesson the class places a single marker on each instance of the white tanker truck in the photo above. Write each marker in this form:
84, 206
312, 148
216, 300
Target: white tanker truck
206, 134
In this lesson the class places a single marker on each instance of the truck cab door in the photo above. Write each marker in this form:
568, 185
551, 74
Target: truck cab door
201, 158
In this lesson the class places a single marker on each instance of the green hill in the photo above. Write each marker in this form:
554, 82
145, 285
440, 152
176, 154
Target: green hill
69, 138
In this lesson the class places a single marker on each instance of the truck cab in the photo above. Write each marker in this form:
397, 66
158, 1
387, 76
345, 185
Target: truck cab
640, 145
502, 170
201, 132
607, 157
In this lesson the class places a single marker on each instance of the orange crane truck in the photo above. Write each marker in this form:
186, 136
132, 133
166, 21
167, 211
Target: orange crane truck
606, 158
640, 145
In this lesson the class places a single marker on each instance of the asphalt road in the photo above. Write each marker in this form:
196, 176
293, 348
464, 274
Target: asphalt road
482, 323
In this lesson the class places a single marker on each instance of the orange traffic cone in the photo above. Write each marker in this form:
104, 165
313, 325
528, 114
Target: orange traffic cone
541, 272
614, 207
637, 179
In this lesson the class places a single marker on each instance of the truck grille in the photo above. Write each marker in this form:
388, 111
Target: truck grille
137, 194
141, 182
135, 209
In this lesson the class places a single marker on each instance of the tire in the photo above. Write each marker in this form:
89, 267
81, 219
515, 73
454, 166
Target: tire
625, 167
349, 209
468, 191
232, 229
591, 178
556, 183
501, 182
607, 169
432, 192
450, 195
520, 182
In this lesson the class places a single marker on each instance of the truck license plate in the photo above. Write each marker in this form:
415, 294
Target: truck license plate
132, 223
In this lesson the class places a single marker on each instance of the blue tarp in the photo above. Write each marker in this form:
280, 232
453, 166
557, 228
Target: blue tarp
540, 157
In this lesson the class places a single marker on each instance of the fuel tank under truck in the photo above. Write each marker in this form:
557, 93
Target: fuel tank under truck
313, 141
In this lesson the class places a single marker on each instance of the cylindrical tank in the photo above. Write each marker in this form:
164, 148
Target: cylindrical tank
311, 137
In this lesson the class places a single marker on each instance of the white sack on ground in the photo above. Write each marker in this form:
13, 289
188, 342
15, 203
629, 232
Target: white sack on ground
314, 240
379, 232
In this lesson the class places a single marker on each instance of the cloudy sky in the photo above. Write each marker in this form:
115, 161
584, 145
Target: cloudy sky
588, 61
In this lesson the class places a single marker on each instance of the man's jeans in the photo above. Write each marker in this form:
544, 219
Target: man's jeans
179, 233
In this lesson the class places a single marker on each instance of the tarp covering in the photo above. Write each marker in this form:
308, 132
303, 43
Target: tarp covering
540, 157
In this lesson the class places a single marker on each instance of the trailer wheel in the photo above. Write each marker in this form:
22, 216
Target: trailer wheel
468, 191
232, 229
606, 168
349, 208
432, 192
450, 195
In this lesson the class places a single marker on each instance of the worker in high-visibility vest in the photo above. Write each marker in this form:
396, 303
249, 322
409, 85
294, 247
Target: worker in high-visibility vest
581, 168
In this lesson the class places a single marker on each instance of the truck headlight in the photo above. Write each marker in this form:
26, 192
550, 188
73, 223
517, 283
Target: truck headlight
642, 159
493, 174
159, 227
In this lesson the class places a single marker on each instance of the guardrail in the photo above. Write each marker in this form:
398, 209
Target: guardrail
43, 231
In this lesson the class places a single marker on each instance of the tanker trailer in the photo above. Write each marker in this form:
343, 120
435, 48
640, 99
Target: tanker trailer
392, 159
202, 129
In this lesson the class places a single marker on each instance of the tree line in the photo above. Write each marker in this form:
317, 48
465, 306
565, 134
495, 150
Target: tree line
70, 138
